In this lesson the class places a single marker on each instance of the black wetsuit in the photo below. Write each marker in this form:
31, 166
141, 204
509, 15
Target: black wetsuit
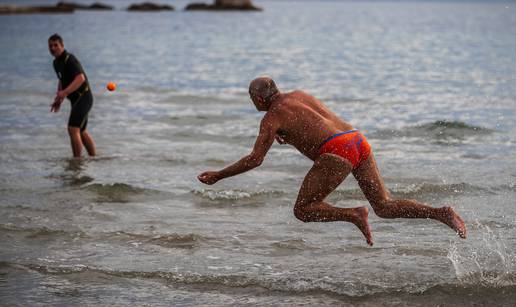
67, 67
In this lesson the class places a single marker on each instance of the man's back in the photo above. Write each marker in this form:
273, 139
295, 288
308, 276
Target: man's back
305, 122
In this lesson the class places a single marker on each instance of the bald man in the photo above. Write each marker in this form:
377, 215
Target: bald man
337, 150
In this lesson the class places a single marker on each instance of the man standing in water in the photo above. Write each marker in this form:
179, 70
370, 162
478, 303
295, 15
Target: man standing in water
337, 150
73, 84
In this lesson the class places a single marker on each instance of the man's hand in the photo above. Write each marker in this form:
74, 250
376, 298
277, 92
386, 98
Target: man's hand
268, 128
61, 94
279, 139
56, 105
209, 177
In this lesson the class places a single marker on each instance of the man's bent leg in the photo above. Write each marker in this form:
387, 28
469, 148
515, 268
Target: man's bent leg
325, 176
374, 189
88, 143
75, 139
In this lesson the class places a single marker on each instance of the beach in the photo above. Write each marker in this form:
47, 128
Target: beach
432, 85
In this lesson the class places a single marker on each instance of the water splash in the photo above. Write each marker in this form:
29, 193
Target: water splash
233, 194
490, 263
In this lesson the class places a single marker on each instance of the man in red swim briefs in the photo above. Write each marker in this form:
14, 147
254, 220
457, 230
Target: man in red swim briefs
337, 150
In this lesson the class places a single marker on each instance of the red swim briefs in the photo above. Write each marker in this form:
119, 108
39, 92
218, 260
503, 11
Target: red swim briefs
350, 145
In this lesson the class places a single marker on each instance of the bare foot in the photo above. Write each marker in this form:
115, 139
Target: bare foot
453, 220
362, 223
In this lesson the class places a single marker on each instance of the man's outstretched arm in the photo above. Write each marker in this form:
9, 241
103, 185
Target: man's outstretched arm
268, 129
57, 101
76, 83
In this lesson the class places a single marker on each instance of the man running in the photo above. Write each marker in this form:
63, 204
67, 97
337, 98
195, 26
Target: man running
337, 149
73, 84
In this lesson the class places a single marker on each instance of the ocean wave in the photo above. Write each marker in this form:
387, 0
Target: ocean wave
195, 119
176, 240
119, 192
426, 191
39, 232
187, 97
428, 252
225, 195
509, 187
292, 244
169, 240
288, 284
173, 240
458, 125
118, 187
26, 208
429, 190
440, 131
71, 179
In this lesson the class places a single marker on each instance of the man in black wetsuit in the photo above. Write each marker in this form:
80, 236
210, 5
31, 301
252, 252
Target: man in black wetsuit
73, 84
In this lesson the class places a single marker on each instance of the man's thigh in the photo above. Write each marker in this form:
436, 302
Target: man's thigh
326, 175
79, 112
370, 181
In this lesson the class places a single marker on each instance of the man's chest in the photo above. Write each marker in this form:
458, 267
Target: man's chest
61, 71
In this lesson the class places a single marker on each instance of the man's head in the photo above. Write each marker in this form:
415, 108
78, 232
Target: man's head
55, 45
262, 91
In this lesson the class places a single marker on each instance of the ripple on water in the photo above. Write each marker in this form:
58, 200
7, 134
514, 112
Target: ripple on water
441, 132
122, 192
422, 191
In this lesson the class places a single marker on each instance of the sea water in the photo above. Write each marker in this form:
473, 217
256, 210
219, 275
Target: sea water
432, 85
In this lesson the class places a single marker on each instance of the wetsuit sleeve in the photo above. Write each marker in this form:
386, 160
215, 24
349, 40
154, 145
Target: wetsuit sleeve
73, 67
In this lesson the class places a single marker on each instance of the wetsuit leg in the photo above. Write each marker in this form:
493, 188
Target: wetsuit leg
80, 109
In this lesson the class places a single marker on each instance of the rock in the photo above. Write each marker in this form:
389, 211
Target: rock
233, 3
72, 5
224, 5
149, 7
94, 6
100, 6
197, 6
35, 10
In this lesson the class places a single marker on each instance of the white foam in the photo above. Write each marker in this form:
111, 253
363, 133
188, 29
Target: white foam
490, 263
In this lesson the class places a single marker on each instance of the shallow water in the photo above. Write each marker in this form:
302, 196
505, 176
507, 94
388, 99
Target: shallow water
430, 84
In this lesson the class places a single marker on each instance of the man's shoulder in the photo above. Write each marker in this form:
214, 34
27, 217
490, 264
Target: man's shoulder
71, 57
294, 97
297, 96
73, 63
299, 93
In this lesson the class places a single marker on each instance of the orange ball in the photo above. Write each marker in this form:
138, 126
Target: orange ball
111, 86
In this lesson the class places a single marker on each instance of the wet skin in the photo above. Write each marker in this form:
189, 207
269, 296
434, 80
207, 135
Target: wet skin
300, 120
